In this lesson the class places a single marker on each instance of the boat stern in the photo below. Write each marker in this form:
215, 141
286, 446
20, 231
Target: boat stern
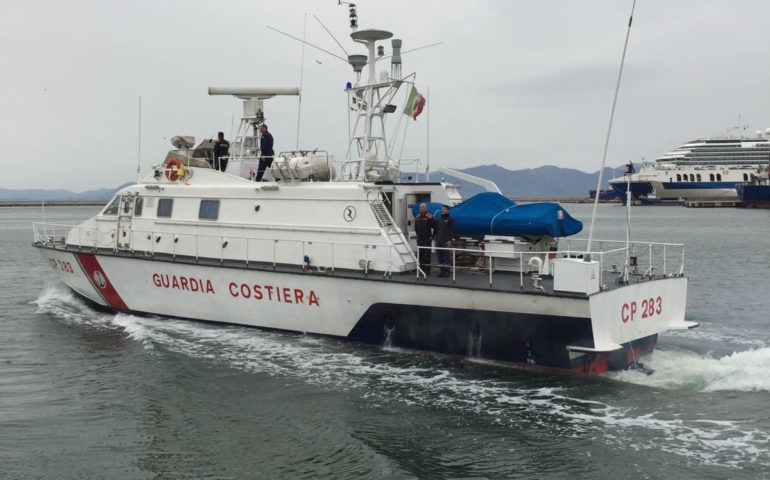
626, 322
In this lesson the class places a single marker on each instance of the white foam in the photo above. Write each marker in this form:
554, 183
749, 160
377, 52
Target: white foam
135, 329
383, 377
60, 302
744, 371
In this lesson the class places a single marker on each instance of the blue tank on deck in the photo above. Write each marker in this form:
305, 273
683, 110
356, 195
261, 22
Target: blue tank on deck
490, 213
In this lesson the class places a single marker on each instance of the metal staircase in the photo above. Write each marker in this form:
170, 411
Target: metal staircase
394, 235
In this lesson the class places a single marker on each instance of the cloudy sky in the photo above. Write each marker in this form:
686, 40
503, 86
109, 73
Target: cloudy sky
516, 83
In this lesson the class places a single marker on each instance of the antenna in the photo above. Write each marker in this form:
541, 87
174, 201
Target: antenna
307, 43
629, 173
609, 131
353, 14
412, 50
139, 143
232, 125
331, 35
301, 75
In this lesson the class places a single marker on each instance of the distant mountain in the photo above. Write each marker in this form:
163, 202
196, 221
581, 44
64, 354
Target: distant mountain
541, 182
36, 194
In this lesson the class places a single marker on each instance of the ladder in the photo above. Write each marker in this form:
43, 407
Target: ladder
384, 220
394, 235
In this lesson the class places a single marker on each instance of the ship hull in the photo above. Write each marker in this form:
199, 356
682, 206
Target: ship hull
754, 196
564, 331
639, 189
695, 190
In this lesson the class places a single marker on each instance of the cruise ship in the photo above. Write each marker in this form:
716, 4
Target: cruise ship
702, 169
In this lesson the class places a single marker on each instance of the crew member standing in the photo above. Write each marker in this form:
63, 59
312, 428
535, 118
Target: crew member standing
266, 152
425, 228
445, 230
221, 152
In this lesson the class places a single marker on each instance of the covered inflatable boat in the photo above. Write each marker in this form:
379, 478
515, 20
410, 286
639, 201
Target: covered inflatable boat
490, 213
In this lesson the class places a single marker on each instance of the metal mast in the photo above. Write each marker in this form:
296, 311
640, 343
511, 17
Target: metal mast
368, 153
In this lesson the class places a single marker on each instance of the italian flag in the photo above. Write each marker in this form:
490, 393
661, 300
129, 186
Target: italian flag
414, 104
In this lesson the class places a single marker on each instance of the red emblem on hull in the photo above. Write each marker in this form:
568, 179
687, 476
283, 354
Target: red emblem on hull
100, 281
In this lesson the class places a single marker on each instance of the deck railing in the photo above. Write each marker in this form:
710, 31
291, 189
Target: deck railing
318, 255
648, 258
651, 259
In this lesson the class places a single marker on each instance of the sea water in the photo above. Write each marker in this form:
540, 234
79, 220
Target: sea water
92, 394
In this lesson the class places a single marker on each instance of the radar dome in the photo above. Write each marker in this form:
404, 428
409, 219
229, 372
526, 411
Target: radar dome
767, 132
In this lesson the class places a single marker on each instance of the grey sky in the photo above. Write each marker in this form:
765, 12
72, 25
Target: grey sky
516, 83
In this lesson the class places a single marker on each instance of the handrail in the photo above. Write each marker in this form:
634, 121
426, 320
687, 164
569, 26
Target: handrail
567, 253
569, 240
336, 253
153, 237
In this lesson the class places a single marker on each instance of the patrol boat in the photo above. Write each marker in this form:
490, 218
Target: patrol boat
327, 247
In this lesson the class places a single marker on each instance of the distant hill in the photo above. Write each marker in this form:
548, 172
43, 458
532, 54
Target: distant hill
37, 194
541, 182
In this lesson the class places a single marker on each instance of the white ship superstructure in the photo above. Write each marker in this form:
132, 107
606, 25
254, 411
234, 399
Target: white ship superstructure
701, 169
327, 247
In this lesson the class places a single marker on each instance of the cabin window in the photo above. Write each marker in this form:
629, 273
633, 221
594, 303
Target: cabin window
165, 206
138, 206
745, 177
692, 177
678, 177
711, 177
209, 210
422, 198
698, 177
719, 177
112, 208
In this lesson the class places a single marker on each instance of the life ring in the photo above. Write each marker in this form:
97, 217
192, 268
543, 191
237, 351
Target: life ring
174, 168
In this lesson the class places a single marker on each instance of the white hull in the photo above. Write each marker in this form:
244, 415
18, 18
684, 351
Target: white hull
336, 305
668, 193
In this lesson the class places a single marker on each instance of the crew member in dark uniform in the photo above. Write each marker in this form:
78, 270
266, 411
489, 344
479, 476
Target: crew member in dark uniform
445, 230
221, 152
266, 152
425, 228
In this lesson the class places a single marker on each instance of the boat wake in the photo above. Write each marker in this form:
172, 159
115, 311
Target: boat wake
744, 371
66, 306
384, 376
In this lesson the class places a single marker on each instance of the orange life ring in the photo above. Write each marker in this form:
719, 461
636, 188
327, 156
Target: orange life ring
171, 172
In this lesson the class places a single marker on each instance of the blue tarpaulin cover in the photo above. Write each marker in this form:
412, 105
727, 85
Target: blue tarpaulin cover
490, 213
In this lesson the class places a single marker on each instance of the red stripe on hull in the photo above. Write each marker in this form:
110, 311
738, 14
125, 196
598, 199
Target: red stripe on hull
99, 280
